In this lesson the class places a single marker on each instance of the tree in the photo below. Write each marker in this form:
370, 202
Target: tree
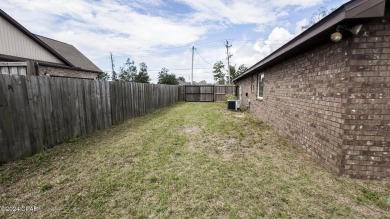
233, 73
236, 72
104, 76
114, 76
128, 71
165, 78
181, 78
219, 75
241, 69
142, 76
317, 16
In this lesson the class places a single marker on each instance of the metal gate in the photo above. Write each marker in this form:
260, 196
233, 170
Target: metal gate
199, 93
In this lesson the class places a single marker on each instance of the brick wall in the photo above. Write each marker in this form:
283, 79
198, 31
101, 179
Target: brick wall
366, 143
63, 72
334, 102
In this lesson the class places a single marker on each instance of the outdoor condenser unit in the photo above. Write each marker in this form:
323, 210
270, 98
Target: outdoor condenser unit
234, 104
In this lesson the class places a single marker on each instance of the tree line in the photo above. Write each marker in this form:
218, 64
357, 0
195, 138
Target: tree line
129, 73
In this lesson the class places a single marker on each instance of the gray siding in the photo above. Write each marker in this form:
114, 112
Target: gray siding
13, 42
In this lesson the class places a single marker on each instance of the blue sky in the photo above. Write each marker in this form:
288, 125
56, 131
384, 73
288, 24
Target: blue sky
161, 33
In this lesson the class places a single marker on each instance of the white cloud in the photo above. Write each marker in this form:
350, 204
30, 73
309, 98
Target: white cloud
278, 37
127, 29
236, 12
258, 12
299, 3
98, 28
110, 19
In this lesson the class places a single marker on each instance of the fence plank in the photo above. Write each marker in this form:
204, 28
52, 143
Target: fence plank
81, 100
120, 101
6, 123
126, 101
12, 100
20, 97
88, 105
24, 115
108, 96
65, 102
142, 99
104, 103
76, 109
133, 100
57, 110
36, 107
48, 137
112, 102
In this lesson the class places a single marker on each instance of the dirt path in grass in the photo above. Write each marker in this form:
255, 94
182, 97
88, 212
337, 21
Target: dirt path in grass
191, 160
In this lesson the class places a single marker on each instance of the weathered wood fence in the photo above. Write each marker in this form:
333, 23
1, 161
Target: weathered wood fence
206, 93
38, 112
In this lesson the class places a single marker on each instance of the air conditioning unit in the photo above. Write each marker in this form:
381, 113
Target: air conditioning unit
234, 104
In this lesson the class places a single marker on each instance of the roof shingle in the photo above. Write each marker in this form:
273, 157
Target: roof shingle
70, 53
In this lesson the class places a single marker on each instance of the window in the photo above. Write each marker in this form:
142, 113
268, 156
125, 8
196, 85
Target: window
253, 84
260, 86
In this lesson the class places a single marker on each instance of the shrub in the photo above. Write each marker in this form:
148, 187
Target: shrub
230, 97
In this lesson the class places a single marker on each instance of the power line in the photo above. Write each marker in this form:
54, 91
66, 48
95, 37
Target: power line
203, 58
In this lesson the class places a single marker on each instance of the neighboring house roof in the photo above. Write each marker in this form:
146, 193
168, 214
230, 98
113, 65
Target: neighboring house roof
71, 54
350, 13
32, 36
184, 83
202, 83
68, 54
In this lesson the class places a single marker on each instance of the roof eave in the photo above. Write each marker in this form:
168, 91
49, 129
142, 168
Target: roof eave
48, 64
351, 10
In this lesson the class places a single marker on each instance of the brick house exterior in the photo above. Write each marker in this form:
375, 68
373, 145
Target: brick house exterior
67, 72
332, 99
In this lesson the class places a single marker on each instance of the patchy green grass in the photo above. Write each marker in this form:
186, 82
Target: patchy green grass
191, 160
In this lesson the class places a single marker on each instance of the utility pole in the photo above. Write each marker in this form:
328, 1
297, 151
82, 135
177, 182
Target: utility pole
228, 58
113, 66
192, 68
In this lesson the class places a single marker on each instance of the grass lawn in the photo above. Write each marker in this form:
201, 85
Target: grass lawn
190, 160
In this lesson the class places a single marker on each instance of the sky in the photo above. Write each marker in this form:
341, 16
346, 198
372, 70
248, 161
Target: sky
162, 33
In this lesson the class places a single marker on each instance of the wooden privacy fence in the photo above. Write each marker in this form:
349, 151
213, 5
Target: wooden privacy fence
206, 93
196, 93
134, 99
38, 112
